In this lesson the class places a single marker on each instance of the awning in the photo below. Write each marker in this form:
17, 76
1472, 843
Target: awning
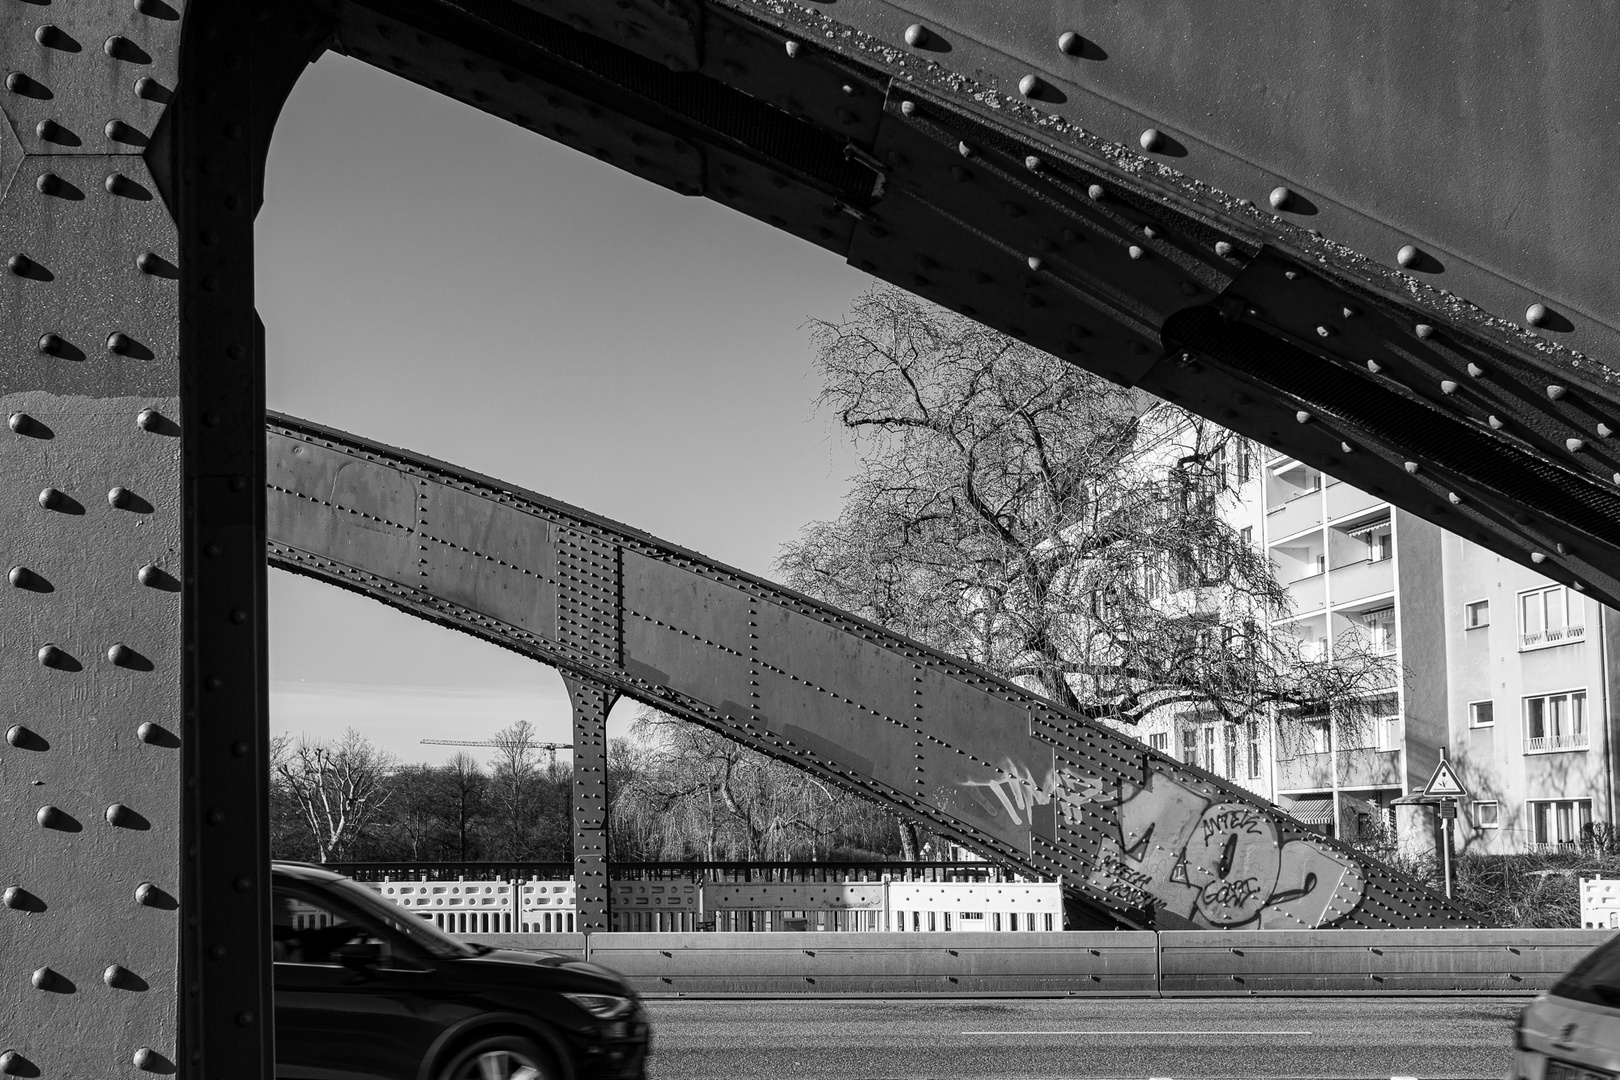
1312, 811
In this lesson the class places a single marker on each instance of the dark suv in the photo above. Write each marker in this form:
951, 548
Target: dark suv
366, 990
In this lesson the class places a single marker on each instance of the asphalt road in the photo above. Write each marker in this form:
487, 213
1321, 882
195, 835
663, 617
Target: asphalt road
1028, 1038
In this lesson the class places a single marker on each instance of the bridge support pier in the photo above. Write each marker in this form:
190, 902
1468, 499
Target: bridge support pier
592, 895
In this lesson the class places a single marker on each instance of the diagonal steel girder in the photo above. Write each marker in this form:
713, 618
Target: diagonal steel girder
1297, 221
1138, 838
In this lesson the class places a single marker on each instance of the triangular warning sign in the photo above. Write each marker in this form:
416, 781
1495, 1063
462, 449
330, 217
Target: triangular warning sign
1444, 782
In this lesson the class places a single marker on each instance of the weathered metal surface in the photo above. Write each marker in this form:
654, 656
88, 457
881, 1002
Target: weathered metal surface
1138, 838
593, 892
1098, 182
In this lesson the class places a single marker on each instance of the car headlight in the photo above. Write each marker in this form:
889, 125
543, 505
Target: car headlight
604, 1006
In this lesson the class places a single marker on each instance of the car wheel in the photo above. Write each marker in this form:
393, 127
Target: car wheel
500, 1057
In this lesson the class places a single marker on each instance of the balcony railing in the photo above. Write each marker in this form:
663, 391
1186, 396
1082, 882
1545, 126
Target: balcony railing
1555, 744
1541, 639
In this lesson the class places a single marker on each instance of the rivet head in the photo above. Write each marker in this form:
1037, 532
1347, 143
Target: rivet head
1555, 392
1097, 192
13, 1063
21, 265
1409, 256
1604, 431
1034, 163
1423, 330
1070, 43
149, 575
148, 732
48, 183
148, 419
793, 48
147, 262
43, 978
1324, 331
1151, 140
1456, 499
1536, 314
1448, 386
1222, 248
120, 343
1412, 467
1575, 446
118, 498
1031, 86
21, 423
49, 130
1034, 262
47, 816
1137, 252
147, 894
242, 884
1475, 370
1495, 422
115, 976
144, 1057
50, 656
1347, 448
916, 35
15, 897
51, 344
21, 577
1302, 417
1537, 557
118, 814
120, 654
1281, 198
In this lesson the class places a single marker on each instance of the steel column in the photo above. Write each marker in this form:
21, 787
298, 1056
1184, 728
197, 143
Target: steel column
592, 895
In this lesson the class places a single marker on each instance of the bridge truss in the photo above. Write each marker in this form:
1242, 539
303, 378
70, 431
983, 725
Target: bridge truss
1379, 238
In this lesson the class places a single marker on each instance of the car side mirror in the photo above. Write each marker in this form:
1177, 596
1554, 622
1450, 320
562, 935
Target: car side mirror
359, 956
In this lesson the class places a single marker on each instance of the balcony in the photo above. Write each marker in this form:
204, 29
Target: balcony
1358, 768
1306, 593
1294, 516
1557, 744
1359, 580
1344, 500
1546, 639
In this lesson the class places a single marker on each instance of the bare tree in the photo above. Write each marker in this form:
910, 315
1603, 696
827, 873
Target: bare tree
336, 788
1052, 526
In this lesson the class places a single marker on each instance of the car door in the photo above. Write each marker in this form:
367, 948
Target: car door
335, 1018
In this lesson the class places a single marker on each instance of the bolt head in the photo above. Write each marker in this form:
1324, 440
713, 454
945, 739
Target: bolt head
1070, 43
118, 498
916, 35
1536, 315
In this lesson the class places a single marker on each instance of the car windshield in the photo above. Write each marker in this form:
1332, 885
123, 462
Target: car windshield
423, 934
1596, 978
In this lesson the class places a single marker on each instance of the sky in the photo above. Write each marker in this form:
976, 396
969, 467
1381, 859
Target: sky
440, 280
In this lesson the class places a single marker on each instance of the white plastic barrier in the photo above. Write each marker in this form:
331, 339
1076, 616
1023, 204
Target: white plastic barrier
459, 907
548, 907
1600, 903
957, 906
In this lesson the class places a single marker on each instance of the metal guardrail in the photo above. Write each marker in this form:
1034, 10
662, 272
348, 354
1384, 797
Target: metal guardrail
690, 871
1082, 964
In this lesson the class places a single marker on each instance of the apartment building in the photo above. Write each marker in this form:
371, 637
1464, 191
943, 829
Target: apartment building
1504, 671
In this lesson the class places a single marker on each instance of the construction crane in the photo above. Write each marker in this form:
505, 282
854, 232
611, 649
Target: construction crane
549, 747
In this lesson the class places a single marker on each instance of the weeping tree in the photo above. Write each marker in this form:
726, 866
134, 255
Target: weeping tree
1057, 528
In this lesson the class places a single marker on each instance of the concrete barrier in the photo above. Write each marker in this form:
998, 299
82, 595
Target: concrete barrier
1299, 962
1194, 963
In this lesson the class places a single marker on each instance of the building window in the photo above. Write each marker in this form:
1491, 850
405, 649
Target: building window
1246, 536
1477, 614
1207, 731
1158, 740
1559, 824
1316, 734
1485, 814
1189, 746
1253, 733
1481, 713
1231, 771
1377, 629
1386, 713
1379, 539
1544, 619
1555, 722
1245, 462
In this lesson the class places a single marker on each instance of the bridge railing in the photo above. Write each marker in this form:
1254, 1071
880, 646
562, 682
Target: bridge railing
677, 871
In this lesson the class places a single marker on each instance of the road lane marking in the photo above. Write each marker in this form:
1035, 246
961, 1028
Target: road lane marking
1223, 1031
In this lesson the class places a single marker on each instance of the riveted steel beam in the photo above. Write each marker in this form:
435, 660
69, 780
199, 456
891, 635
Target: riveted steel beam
1080, 187
591, 701
1138, 838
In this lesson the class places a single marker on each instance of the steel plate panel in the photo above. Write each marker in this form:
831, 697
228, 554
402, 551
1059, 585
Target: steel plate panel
354, 511
488, 557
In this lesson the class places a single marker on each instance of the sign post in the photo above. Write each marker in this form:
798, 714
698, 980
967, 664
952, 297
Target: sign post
1445, 786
